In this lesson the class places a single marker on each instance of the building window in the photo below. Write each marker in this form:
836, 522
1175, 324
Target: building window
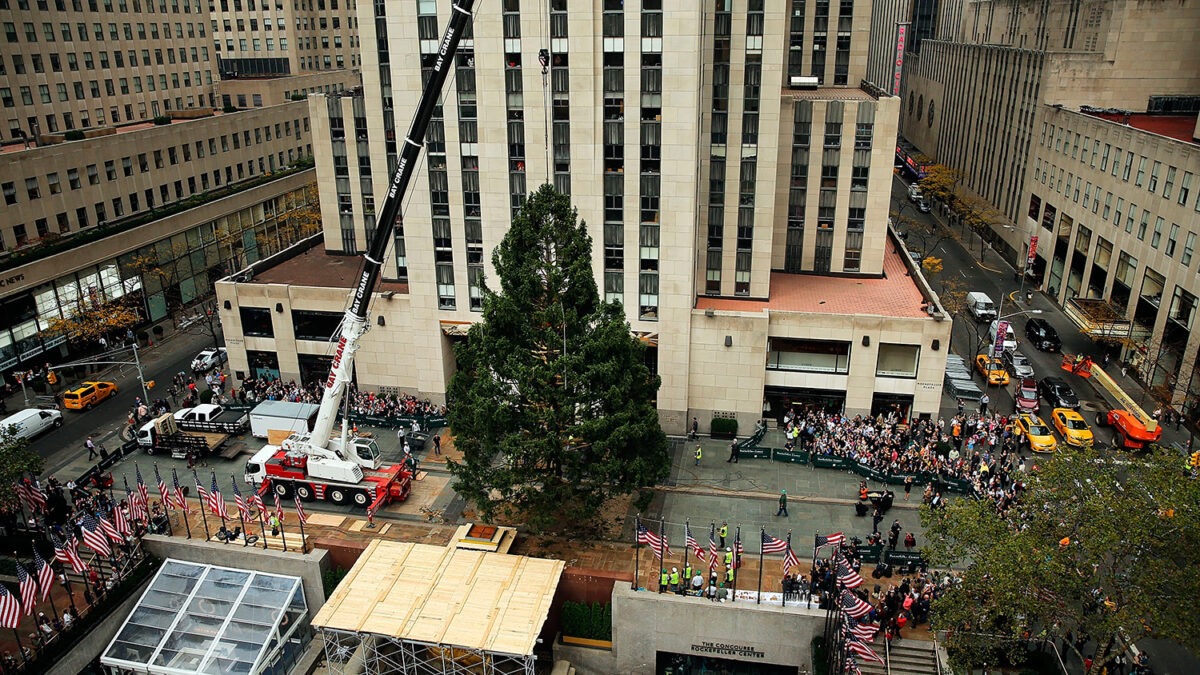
812, 356
445, 285
897, 360
318, 326
256, 322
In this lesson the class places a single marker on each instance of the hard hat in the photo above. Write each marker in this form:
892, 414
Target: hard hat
674, 569
728, 550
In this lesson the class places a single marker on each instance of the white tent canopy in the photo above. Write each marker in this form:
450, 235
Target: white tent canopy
198, 618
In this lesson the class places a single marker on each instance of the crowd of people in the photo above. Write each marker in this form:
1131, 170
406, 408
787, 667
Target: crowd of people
57, 518
255, 390
982, 448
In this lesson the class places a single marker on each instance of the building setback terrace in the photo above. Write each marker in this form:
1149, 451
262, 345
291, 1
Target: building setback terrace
894, 294
316, 267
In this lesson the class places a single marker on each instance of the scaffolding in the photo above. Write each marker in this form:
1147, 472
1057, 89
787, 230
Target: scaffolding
347, 652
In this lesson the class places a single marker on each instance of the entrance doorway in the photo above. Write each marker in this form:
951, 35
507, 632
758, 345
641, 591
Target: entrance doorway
263, 365
778, 400
901, 404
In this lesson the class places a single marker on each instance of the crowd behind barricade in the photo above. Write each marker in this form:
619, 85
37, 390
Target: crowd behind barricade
68, 523
983, 448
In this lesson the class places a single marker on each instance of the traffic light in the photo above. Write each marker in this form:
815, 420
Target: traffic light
52, 378
150, 384
1195, 462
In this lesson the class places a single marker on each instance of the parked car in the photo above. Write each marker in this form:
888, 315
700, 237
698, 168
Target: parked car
1058, 393
923, 205
1017, 364
1042, 335
88, 394
30, 422
1075, 431
209, 359
1037, 435
991, 368
1025, 396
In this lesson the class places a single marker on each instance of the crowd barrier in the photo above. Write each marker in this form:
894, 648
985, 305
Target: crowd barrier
846, 464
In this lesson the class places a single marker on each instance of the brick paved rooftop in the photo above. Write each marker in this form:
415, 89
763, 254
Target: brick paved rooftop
894, 294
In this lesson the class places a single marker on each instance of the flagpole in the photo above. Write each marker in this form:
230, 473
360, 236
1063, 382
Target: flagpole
204, 515
761, 538
242, 516
262, 523
737, 562
637, 546
66, 582
282, 532
182, 504
687, 532
220, 511
662, 544
303, 543
50, 595
20, 647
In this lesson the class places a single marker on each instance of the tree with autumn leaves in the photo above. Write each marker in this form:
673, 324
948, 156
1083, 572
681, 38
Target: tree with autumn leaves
89, 321
1098, 545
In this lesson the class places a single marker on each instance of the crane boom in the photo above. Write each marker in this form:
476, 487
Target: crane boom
354, 323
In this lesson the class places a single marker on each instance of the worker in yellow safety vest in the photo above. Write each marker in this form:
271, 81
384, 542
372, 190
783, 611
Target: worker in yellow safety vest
729, 576
724, 532
663, 580
699, 453
729, 558
674, 579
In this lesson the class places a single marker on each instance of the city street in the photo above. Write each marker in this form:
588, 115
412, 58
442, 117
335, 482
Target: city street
995, 277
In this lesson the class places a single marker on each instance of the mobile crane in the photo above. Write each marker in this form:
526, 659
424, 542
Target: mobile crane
347, 468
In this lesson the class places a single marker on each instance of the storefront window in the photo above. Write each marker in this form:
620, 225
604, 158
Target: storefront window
256, 322
816, 356
320, 326
897, 360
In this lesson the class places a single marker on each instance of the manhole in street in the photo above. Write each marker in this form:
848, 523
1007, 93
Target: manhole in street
1091, 406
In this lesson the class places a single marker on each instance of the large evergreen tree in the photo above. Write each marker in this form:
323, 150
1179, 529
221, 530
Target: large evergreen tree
552, 405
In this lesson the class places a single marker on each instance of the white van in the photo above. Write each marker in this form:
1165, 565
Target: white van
1010, 336
980, 306
914, 193
32, 421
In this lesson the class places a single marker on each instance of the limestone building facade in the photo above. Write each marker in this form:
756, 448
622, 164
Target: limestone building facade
740, 220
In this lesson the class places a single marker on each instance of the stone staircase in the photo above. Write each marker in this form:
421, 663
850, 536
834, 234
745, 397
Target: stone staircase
562, 667
904, 657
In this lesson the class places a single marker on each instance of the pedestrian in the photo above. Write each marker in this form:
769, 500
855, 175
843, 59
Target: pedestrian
274, 523
960, 407
437, 444
91, 448
782, 504
734, 451
983, 403
674, 579
723, 532
663, 579
695, 428
876, 518
910, 540
908, 483
698, 454
893, 539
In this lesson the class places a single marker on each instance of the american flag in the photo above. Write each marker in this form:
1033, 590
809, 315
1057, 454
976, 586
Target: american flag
22, 493
243, 509
180, 501
859, 647
67, 554
119, 521
712, 547
10, 608
107, 527
691, 542
861, 629
790, 560
256, 496
45, 575
216, 503
28, 587
852, 666
374, 507
829, 540
163, 492
37, 498
652, 540
300, 511
847, 577
141, 484
772, 545
137, 507
278, 507
200, 491
854, 605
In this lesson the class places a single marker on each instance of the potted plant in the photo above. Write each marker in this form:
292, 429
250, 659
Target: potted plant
723, 427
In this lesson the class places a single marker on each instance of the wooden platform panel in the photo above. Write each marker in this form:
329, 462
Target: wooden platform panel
446, 596
326, 519
361, 526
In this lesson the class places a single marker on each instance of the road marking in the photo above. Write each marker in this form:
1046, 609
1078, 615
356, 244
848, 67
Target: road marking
989, 269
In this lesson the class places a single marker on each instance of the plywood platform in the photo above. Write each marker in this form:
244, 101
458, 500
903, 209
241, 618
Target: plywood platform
326, 519
447, 596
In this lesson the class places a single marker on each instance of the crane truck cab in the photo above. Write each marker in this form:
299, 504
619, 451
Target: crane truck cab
363, 452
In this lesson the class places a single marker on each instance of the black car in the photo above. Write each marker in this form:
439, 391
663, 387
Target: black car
1058, 393
1042, 335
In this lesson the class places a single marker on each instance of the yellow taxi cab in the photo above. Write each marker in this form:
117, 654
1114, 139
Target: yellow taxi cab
1036, 433
1070, 424
88, 394
992, 368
